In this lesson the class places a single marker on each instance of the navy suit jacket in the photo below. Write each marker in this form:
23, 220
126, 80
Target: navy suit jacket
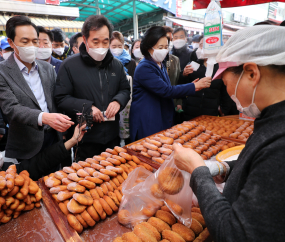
152, 108
55, 63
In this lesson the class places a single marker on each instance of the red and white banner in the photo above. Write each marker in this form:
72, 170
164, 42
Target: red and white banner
179, 8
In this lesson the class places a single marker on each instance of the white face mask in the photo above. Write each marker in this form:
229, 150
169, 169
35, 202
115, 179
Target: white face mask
137, 53
6, 55
27, 54
170, 46
200, 54
98, 54
250, 111
195, 45
159, 55
58, 51
44, 53
179, 43
117, 51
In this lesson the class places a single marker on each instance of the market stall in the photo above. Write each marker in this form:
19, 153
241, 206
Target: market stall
100, 179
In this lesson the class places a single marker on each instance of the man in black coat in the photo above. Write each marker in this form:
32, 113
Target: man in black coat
98, 80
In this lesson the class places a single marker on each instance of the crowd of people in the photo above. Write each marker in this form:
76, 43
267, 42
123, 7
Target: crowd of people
132, 92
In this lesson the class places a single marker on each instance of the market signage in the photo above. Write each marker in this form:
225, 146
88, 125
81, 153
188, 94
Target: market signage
198, 4
169, 5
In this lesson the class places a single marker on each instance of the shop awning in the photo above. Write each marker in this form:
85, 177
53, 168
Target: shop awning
65, 25
195, 26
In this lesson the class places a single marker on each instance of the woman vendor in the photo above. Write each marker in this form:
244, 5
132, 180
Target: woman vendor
49, 158
152, 107
251, 208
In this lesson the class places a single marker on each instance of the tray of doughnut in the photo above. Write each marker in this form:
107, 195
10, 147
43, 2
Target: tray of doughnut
88, 192
18, 194
158, 147
229, 128
164, 226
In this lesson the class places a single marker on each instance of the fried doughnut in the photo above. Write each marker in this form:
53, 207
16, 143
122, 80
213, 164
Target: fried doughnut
125, 156
154, 142
170, 180
99, 158
165, 240
100, 191
104, 188
199, 218
14, 191
143, 233
157, 138
172, 236
120, 179
140, 148
203, 236
76, 166
92, 212
114, 161
165, 151
174, 206
94, 194
150, 146
196, 226
124, 175
54, 196
147, 166
125, 168
108, 172
196, 210
167, 146
50, 182
94, 179
15, 204
115, 169
146, 154
74, 207
166, 140
63, 208
152, 230
88, 219
66, 181
106, 154
74, 223
60, 175
119, 239
187, 234
75, 187
82, 221
106, 163
74, 177
101, 176
111, 203
113, 152
158, 159
109, 186
38, 195
91, 161
98, 207
89, 170
97, 166
87, 184
166, 217
156, 191
58, 189
114, 198
164, 157
124, 217
64, 195
112, 186
5, 219
67, 169
119, 195
165, 208
129, 237
116, 181
121, 159
149, 210
120, 149
3, 182
84, 164
20, 207
153, 153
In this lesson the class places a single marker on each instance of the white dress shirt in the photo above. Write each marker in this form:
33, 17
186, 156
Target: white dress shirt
34, 81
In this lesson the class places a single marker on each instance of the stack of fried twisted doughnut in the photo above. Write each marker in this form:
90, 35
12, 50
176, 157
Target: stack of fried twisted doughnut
18, 193
90, 190
165, 227
158, 147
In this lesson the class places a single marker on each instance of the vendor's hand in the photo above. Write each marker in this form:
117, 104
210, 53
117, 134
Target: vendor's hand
187, 159
97, 115
77, 136
179, 107
187, 70
202, 83
57, 121
112, 109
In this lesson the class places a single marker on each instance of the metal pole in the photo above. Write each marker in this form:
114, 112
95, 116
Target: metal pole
135, 20
98, 12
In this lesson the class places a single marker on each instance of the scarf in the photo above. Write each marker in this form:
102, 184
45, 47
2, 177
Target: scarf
125, 58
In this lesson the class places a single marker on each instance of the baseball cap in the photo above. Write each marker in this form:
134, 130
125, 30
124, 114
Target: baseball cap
4, 44
222, 67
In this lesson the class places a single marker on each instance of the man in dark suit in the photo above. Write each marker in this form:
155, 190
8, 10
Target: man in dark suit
45, 48
26, 94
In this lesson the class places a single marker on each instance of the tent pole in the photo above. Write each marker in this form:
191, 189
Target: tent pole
98, 12
135, 20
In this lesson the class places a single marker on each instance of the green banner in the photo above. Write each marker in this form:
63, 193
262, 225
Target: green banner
213, 29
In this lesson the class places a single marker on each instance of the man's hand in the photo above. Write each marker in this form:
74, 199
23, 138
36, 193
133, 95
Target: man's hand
187, 70
112, 109
1, 136
179, 107
97, 115
57, 121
